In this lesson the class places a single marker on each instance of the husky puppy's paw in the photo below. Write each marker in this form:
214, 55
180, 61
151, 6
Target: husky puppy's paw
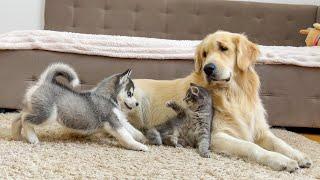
139, 147
144, 148
141, 138
30, 135
33, 140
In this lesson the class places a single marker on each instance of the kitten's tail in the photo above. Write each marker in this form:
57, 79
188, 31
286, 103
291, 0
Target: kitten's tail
154, 137
59, 69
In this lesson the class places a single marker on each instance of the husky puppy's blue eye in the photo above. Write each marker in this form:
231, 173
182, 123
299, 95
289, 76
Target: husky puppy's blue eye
129, 94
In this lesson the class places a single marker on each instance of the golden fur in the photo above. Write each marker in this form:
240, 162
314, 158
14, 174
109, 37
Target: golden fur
239, 126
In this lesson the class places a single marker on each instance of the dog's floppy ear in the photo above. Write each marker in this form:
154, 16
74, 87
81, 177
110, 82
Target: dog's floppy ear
247, 52
198, 60
124, 76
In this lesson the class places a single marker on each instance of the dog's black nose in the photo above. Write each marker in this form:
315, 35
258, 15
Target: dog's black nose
209, 69
137, 104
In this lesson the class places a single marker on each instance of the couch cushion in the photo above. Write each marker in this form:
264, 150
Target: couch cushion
268, 24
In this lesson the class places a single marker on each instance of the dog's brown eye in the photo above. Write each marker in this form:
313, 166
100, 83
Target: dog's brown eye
222, 48
204, 54
129, 94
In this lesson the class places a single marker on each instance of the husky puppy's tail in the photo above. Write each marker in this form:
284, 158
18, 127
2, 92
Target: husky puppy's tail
59, 69
154, 137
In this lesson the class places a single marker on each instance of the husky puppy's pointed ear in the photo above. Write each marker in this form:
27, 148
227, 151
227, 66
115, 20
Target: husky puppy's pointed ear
128, 72
194, 90
124, 76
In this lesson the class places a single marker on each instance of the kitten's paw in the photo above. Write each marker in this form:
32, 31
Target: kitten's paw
205, 154
170, 103
153, 137
179, 146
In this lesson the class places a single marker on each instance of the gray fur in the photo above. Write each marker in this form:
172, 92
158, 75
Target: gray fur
154, 136
84, 111
191, 126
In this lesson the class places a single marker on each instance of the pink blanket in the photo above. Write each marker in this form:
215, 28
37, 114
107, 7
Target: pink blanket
141, 48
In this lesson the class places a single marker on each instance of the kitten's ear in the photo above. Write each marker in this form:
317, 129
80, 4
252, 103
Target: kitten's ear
125, 76
193, 84
194, 90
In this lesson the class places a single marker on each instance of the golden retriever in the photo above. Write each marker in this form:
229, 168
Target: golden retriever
224, 64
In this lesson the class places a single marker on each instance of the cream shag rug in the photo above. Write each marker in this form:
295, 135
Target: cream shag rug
62, 155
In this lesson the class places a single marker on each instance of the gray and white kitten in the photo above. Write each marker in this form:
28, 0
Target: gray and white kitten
191, 126
102, 108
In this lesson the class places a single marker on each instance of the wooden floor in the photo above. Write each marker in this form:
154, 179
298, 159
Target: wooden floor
310, 133
314, 137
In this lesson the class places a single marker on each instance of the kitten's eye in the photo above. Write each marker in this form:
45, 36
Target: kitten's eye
129, 94
222, 48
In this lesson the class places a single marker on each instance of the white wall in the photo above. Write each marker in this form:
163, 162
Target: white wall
28, 14
21, 15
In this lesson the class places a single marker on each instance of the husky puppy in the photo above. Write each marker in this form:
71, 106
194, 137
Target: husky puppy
102, 108
191, 126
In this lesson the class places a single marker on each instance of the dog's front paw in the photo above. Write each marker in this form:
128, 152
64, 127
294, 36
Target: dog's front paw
304, 161
290, 166
280, 162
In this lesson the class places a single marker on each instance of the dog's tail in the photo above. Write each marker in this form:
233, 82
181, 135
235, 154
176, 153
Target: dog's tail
154, 137
16, 128
60, 69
